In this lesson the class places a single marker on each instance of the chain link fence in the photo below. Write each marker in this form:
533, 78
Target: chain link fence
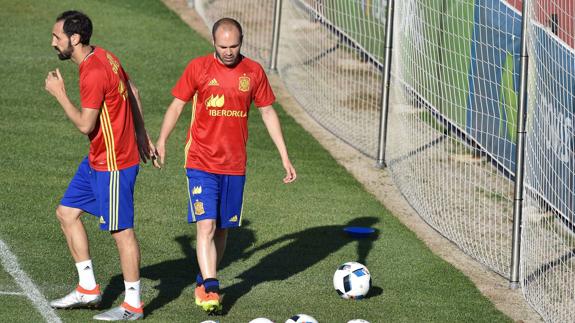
453, 114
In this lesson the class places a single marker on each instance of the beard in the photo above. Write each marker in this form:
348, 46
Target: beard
229, 64
66, 53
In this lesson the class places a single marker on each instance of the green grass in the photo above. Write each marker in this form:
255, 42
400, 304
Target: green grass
279, 263
361, 25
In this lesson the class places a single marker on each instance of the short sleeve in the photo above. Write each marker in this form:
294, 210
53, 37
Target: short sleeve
263, 94
92, 88
186, 86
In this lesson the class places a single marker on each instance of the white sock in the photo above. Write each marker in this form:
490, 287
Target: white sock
86, 274
132, 296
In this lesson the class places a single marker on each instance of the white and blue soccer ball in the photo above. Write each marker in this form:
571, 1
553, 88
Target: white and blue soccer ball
301, 318
358, 321
352, 280
261, 320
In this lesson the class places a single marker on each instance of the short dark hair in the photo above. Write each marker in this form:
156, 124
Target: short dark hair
76, 22
227, 21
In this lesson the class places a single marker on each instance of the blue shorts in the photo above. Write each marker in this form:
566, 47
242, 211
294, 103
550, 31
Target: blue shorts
107, 195
215, 196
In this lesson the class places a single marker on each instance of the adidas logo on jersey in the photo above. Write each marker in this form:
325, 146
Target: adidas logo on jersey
213, 82
102, 221
234, 218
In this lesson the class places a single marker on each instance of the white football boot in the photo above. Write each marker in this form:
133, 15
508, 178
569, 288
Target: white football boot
79, 298
125, 312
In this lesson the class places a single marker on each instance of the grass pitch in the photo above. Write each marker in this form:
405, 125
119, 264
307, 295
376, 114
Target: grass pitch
278, 264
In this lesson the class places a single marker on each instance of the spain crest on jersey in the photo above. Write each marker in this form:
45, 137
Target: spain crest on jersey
244, 84
199, 208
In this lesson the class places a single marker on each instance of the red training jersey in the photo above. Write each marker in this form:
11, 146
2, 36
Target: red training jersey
103, 86
218, 133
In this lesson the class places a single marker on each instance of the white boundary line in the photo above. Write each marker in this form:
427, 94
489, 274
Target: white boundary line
30, 290
12, 293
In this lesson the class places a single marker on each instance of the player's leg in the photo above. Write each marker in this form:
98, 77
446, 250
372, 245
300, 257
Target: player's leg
78, 198
207, 254
229, 216
129, 251
74, 231
203, 296
203, 210
206, 248
220, 239
116, 199
207, 294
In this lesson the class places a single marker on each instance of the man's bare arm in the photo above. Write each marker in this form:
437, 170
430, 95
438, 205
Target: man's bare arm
272, 123
145, 146
84, 119
170, 119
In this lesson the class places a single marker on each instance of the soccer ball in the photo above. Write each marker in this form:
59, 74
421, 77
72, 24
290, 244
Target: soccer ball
358, 321
301, 318
352, 280
261, 320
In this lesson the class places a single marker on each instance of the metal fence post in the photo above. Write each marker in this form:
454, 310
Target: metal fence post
276, 35
520, 152
385, 84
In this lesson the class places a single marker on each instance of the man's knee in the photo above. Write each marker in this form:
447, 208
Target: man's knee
124, 236
126, 239
67, 215
206, 228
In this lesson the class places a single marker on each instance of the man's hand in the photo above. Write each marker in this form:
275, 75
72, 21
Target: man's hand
154, 155
290, 172
161, 152
146, 148
55, 84
170, 119
84, 119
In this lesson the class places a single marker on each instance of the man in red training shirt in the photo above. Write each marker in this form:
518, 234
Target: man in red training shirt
103, 185
221, 86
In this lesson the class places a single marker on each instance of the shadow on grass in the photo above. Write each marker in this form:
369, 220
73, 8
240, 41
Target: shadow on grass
374, 291
175, 275
305, 249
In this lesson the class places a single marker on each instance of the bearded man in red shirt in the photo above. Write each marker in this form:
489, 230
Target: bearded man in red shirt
111, 117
